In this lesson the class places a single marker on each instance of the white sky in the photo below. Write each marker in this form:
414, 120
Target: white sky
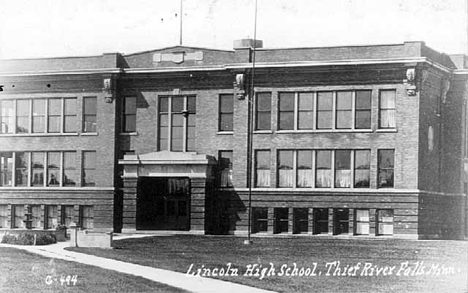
47, 28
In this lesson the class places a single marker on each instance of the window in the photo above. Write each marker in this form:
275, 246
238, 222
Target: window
304, 168
363, 110
263, 111
226, 112
89, 114
385, 222
69, 115
177, 123
362, 222
50, 217
386, 168
37, 169
69, 169
342, 168
129, 114
323, 169
17, 213
6, 168
67, 215
260, 220
21, 168
340, 221
225, 168
53, 169
281, 220
344, 110
87, 217
320, 220
38, 115
54, 123
300, 220
22, 116
324, 110
35, 211
285, 169
295, 111
89, 168
262, 169
7, 113
3, 216
387, 109
361, 168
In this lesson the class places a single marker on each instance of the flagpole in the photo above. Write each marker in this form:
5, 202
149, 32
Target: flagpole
181, 16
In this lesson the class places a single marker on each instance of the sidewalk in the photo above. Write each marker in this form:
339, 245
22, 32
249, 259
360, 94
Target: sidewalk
174, 279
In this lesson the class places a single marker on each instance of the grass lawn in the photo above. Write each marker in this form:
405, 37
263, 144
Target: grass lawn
442, 264
21, 271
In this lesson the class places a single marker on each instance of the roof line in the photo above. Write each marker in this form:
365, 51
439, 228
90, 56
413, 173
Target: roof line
170, 47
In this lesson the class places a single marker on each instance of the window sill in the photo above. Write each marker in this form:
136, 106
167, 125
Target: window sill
129, 133
89, 133
225, 133
325, 131
37, 134
387, 130
263, 132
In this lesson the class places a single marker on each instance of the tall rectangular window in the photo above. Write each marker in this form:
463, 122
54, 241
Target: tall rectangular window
305, 111
69, 115
263, 111
38, 115
384, 222
387, 109
89, 168
53, 169
225, 168
87, 217
89, 114
177, 123
226, 112
385, 168
7, 114
342, 168
286, 111
50, 215
361, 168
17, 216
22, 167
323, 170
304, 168
344, 110
67, 215
262, 168
37, 169
129, 114
69, 169
324, 110
35, 211
54, 119
363, 109
6, 168
22, 116
285, 169
361, 222
4, 216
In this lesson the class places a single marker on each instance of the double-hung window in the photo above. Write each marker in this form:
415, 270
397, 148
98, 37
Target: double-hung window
53, 168
387, 112
344, 110
37, 168
3, 216
385, 168
21, 168
7, 115
38, 115
225, 168
54, 119
286, 168
69, 168
6, 168
22, 116
361, 168
129, 114
262, 168
226, 111
363, 104
89, 114
69, 115
263, 111
324, 110
323, 173
177, 122
89, 168
295, 111
343, 168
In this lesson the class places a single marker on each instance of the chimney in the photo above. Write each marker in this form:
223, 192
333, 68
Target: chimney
247, 43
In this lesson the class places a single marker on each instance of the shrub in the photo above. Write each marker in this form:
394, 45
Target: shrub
44, 239
28, 239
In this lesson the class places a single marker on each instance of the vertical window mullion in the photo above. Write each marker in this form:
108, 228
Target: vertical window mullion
185, 119
333, 167
333, 114
46, 116
14, 115
314, 170
296, 111
29, 166
352, 168
169, 123
46, 161
353, 110
30, 116
62, 115
61, 170
295, 168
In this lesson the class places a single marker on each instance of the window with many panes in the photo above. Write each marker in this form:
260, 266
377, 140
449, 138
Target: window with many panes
6, 168
295, 111
263, 111
225, 168
386, 163
262, 168
89, 114
129, 114
226, 112
387, 109
177, 122
89, 168
87, 217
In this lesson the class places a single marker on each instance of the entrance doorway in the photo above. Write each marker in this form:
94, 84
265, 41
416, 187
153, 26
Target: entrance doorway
163, 204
